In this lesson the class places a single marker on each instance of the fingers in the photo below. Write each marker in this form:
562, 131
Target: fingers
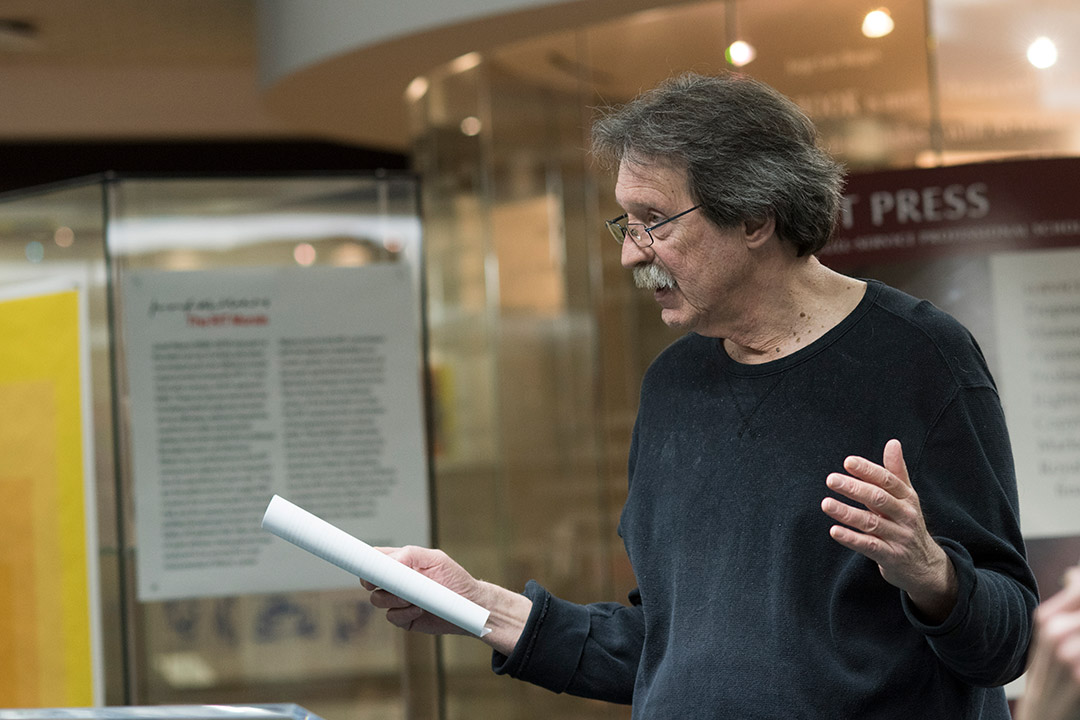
881, 539
871, 495
404, 617
385, 550
893, 460
410, 555
867, 545
406, 556
891, 476
418, 558
1059, 631
885, 515
884, 521
400, 613
1059, 617
385, 600
1057, 644
1069, 653
437, 566
1064, 600
1063, 628
884, 490
862, 520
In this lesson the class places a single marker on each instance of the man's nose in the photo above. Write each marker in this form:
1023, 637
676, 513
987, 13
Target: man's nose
634, 255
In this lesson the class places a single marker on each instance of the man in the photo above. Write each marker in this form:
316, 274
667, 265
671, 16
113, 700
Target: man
793, 558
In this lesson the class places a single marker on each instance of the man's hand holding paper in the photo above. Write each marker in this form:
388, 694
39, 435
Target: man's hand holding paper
509, 610
422, 589
336, 546
436, 565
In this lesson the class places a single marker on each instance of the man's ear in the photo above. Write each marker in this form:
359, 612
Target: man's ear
758, 230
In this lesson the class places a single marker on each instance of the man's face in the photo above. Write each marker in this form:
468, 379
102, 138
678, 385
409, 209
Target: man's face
693, 267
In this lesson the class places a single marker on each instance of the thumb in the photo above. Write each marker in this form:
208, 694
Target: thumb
893, 461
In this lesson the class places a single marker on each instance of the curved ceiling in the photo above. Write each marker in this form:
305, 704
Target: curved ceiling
357, 94
161, 70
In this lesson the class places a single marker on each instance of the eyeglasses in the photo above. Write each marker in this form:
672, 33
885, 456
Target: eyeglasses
641, 235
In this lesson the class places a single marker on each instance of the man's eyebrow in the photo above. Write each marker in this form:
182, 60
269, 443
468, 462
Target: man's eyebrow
638, 208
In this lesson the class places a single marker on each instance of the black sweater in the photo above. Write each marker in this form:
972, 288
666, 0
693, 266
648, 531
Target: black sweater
745, 607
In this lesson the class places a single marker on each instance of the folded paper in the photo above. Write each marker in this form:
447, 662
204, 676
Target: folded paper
305, 530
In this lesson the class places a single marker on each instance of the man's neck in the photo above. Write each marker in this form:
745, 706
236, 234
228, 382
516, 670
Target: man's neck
792, 309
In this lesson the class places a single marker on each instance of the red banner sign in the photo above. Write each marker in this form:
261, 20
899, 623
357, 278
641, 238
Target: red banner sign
921, 213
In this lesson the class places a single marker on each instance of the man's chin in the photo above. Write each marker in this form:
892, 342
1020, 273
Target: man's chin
674, 320
674, 317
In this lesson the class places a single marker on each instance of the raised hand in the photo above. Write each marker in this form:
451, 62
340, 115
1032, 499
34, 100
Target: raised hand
890, 529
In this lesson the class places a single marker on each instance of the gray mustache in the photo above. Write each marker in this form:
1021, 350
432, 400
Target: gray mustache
652, 277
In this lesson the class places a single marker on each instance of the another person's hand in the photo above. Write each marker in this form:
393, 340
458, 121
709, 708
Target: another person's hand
509, 610
1052, 690
890, 530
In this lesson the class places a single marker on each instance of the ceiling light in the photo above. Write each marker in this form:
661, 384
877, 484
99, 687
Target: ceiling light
1042, 53
740, 53
877, 23
465, 62
416, 89
471, 126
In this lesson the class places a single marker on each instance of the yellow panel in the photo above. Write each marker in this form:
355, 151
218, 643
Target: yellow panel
44, 551
18, 606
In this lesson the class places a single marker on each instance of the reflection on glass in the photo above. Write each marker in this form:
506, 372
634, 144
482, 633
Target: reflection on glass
35, 251
304, 254
64, 237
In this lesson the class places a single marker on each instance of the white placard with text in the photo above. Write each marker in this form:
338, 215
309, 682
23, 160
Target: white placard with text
303, 382
1037, 319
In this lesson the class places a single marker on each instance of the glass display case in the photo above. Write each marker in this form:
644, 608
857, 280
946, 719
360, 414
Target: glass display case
325, 649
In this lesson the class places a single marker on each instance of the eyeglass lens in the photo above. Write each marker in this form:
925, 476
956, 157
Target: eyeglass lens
632, 230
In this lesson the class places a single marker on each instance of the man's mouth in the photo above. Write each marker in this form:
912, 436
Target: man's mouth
653, 277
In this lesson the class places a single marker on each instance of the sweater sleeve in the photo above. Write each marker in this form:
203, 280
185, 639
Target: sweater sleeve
967, 486
586, 650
